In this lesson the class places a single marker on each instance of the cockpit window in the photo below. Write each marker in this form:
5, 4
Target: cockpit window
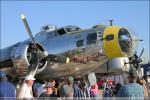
61, 31
91, 38
68, 29
72, 28
125, 40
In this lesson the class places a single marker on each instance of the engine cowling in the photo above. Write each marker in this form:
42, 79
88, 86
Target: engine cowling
20, 58
114, 66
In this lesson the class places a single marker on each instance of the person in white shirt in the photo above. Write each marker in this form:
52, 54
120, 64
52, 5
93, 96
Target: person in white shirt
26, 88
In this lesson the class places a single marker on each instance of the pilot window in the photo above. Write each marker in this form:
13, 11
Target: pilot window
91, 38
61, 31
79, 43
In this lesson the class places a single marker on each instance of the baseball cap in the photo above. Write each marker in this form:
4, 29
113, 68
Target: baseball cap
29, 77
2, 74
48, 84
70, 79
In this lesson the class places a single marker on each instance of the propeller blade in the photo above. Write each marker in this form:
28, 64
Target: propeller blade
141, 52
28, 29
57, 58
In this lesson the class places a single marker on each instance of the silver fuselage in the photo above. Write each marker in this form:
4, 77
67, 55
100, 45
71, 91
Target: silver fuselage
83, 47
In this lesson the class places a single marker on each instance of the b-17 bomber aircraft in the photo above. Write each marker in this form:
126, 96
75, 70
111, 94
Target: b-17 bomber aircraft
56, 52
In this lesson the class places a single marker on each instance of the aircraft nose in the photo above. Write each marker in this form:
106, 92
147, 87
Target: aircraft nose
128, 41
120, 41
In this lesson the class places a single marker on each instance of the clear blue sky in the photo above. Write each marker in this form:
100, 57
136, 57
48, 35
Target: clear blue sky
133, 14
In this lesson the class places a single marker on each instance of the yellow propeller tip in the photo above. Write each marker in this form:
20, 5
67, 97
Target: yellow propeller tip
67, 60
22, 16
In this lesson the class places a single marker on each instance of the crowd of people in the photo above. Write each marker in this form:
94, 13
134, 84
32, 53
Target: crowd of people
70, 88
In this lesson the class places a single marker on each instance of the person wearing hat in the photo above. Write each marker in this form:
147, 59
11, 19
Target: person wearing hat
132, 90
26, 88
6, 88
49, 90
71, 89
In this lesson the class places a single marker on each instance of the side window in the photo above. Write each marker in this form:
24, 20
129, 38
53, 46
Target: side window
79, 43
91, 38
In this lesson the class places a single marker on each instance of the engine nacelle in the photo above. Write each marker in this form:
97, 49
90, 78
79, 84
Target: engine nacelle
115, 66
21, 57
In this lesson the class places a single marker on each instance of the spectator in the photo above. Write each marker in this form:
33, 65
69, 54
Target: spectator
107, 92
132, 90
6, 88
61, 88
100, 83
26, 88
41, 89
86, 89
94, 91
105, 83
71, 89
107, 88
77, 90
36, 85
53, 82
49, 90
68, 88
116, 89
142, 82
